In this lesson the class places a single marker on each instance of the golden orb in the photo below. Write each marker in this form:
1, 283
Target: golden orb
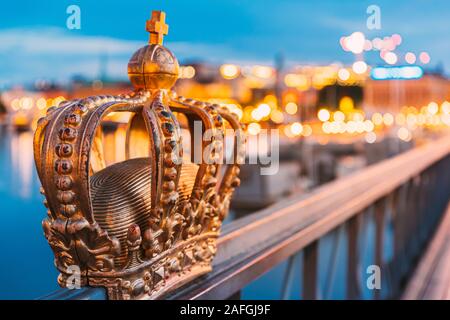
153, 67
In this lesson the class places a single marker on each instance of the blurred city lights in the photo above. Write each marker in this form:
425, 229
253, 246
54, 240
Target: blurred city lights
296, 128
263, 72
410, 57
377, 119
339, 116
323, 115
377, 43
390, 57
41, 103
346, 104
404, 134
370, 137
433, 108
397, 39
187, 72
295, 80
15, 105
424, 57
291, 108
26, 103
368, 126
254, 128
404, 72
277, 116
354, 43
445, 107
368, 45
359, 67
229, 71
343, 74
262, 111
388, 119
307, 130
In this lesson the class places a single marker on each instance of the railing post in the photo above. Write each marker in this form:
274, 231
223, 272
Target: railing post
400, 205
380, 213
331, 273
419, 232
235, 296
428, 219
288, 277
353, 226
412, 218
310, 272
423, 233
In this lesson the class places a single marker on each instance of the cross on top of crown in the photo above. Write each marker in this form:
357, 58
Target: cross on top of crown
157, 27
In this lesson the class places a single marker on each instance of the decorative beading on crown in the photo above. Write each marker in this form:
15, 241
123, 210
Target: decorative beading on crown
147, 225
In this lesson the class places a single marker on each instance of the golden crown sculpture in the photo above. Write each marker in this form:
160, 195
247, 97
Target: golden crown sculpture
147, 225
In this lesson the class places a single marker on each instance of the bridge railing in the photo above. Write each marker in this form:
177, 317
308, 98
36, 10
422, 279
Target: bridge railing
401, 199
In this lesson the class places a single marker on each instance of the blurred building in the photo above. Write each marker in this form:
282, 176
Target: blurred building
392, 95
81, 88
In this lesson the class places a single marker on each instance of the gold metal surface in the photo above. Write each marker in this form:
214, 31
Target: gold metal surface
154, 66
157, 27
147, 225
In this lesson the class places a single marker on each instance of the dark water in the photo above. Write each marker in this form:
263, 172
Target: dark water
27, 270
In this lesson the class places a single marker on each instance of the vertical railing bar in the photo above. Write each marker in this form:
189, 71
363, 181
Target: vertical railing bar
235, 296
432, 200
334, 261
364, 228
390, 281
394, 220
416, 211
398, 236
288, 277
421, 212
391, 200
429, 221
436, 194
403, 227
379, 215
425, 196
353, 227
407, 219
310, 272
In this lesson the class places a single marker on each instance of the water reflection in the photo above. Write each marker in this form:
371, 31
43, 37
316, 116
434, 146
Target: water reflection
26, 271
22, 163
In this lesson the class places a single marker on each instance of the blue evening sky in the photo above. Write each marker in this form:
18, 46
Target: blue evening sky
35, 43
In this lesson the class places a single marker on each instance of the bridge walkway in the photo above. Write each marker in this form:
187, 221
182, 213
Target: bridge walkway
431, 279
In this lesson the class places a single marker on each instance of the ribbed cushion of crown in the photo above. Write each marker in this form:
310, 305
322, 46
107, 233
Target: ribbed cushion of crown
121, 196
